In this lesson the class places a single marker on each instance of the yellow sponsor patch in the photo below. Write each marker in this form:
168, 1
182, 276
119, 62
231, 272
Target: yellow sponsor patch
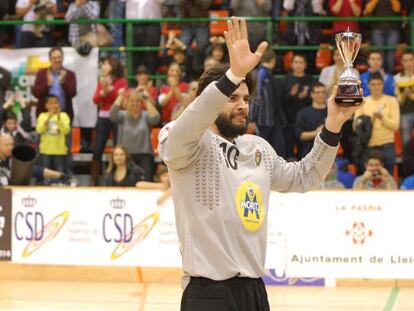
249, 204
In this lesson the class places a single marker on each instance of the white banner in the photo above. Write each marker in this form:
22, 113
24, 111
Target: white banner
94, 227
317, 234
25, 63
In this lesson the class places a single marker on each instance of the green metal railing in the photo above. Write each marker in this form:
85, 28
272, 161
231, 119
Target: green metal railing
129, 47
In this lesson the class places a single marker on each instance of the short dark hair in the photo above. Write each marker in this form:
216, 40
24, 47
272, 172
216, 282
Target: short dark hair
268, 56
142, 69
51, 96
375, 155
9, 115
407, 52
375, 76
215, 73
375, 52
317, 84
55, 48
117, 67
300, 55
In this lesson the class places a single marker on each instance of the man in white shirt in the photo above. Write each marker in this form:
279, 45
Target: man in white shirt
221, 181
35, 35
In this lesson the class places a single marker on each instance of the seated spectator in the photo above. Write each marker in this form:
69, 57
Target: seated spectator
39, 172
311, 120
385, 33
375, 65
35, 35
384, 112
342, 8
375, 175
217, 49
404, 86
53, 126
82, 33
122, 171
187, 99
16, 121
209, 62
171, 93
134, 128
162, 183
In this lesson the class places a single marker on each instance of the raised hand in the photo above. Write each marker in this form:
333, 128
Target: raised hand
338, 115
242, 60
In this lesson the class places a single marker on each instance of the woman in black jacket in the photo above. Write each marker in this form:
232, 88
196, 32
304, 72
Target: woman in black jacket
122, 172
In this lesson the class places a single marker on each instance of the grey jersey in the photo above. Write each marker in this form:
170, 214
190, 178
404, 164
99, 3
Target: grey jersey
221, 189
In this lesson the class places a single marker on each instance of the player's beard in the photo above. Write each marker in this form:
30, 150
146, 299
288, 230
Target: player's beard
228, 129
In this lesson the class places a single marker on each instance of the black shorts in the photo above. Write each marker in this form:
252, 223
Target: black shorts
235, 294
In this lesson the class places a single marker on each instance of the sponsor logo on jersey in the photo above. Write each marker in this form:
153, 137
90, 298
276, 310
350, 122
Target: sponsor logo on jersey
249, 204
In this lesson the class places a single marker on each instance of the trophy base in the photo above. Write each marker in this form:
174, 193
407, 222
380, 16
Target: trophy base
348, 95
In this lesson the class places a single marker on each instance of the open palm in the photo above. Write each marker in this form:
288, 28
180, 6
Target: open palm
242, 60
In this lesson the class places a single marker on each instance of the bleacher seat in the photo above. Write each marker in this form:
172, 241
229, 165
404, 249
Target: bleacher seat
217, 28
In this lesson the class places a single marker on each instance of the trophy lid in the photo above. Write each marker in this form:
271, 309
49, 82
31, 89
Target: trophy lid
348, 44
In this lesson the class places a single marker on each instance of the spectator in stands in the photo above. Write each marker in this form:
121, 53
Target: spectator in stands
310, 120
199, 32
145, 85
375, 65
171, 93
122, 171
110, 82
375, 175
385, 33
162, 183
408, 158
117, 11
329, 75
5, 85
267, 110
19, 129
331, 181
56, 80
408, 183
296, 95
134, 128
385, 115
34, 35
343, 8
187, 99
39, 172
301, 32
253, 8
4, 12
404, 86
217, 49
82, 33
53, 126
209, 62
145, 34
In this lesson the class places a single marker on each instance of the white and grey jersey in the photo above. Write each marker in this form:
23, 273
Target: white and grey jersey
221, 189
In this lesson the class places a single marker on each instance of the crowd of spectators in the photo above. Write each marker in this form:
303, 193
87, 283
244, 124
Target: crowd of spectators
287, 111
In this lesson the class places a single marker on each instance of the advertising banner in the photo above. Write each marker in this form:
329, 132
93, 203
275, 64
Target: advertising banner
25, 63
310, 236
5, 225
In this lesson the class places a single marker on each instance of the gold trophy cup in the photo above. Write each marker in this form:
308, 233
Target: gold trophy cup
348, 44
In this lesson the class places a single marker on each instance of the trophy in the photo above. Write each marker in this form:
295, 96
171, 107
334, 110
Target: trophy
348, 44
